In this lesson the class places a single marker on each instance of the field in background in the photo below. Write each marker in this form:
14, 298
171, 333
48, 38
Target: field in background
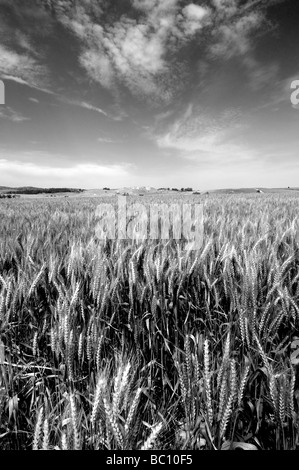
125, 346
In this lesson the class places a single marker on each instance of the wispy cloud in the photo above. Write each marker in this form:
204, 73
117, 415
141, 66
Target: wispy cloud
260, 75
235, 38
82, 104
34, 100
21, 68
12, 115
85, 105
32, 85
235, 26
108, 140
196, 135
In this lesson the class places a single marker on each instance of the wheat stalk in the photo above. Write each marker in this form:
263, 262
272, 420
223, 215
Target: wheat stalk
150, 441
38, 429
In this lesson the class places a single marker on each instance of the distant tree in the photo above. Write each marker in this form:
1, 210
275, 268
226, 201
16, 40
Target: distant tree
44, 191
7, 196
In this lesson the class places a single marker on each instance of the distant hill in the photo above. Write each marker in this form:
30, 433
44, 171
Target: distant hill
251, 190
33, 190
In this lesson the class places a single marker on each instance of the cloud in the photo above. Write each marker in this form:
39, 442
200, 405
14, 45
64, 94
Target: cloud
259, 75
155, 6
133, 57
194, 15
81, 104
134, 51
16, 79
20, 81
21, 68
225, 8
77, 170
237, 24
81, 175
194, 12
34, 100
105, 140
99, 67
198, 136
12, 115
61, 98
234, 36
137, 47
85, 105
108, 140
142, 51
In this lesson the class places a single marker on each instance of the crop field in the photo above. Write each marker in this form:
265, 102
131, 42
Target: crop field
126, 345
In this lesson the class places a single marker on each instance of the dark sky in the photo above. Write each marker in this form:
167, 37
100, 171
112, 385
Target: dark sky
149, 92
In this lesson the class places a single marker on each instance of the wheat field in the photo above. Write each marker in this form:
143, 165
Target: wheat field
119, 345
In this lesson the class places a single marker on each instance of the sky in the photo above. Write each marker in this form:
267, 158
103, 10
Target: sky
161, 93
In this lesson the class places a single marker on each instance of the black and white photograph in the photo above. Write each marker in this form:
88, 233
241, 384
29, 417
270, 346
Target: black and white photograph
149, 227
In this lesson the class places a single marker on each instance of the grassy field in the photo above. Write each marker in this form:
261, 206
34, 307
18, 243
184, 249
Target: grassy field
123, 346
